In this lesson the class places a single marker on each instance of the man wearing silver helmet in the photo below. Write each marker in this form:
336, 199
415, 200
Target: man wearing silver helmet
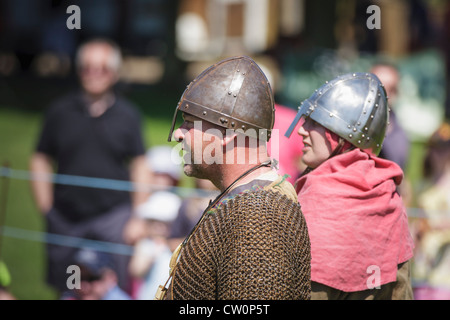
251, 241
360, 241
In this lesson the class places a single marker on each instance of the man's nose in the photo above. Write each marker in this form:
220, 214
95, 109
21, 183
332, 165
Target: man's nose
178, 135
301, 131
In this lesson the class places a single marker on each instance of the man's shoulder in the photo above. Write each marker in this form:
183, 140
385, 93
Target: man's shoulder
127, 108
259, 193
275, 182
64, 102
283, 186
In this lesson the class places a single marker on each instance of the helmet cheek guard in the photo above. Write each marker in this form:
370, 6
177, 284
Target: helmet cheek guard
354, 106
234, 94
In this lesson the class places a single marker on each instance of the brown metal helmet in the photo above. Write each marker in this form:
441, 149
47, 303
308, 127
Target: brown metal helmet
233, 93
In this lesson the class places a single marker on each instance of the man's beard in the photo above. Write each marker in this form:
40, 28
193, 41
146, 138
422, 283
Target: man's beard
192, 168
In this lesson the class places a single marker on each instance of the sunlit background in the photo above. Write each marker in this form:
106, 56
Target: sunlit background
166, 43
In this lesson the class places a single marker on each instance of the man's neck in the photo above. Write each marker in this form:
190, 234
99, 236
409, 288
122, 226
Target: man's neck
98, 104
232, 172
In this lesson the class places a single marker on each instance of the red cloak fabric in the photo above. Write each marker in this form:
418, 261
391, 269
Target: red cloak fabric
356, 221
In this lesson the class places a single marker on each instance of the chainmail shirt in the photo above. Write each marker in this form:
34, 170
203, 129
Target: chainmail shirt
253, 245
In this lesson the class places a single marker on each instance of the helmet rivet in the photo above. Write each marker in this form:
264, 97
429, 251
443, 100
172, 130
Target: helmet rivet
359, 141
331, 115
378, 145
354, 129
350, 135
363, 135
204, 113
368, 138
222, 120
229, 92
243, 73
359, 123
371, 117
367, 129
235, 95
349, 126
243, 127
376, 105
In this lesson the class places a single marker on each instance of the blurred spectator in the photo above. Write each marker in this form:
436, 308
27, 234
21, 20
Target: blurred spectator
289, 152
190, 211
152, 254
396, 144
432, 257
91, 132
98, 280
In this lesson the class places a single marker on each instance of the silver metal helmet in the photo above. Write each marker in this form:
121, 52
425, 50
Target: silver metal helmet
233, 93
354, 106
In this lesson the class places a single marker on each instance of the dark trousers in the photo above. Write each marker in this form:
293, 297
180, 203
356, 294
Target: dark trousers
398, 290
106, 227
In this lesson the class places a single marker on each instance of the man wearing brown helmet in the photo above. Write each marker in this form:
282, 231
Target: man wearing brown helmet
251, 241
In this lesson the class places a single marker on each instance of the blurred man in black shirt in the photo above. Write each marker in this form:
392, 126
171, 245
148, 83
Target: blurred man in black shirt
93, 133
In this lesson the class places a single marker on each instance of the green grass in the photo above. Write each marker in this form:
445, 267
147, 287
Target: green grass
25, 258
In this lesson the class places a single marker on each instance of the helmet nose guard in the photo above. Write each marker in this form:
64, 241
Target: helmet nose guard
354, 106
234, 94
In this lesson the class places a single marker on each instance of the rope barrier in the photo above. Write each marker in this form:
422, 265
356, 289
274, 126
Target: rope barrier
57, 239
101, 183
89, 182
111, 184
122, 185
